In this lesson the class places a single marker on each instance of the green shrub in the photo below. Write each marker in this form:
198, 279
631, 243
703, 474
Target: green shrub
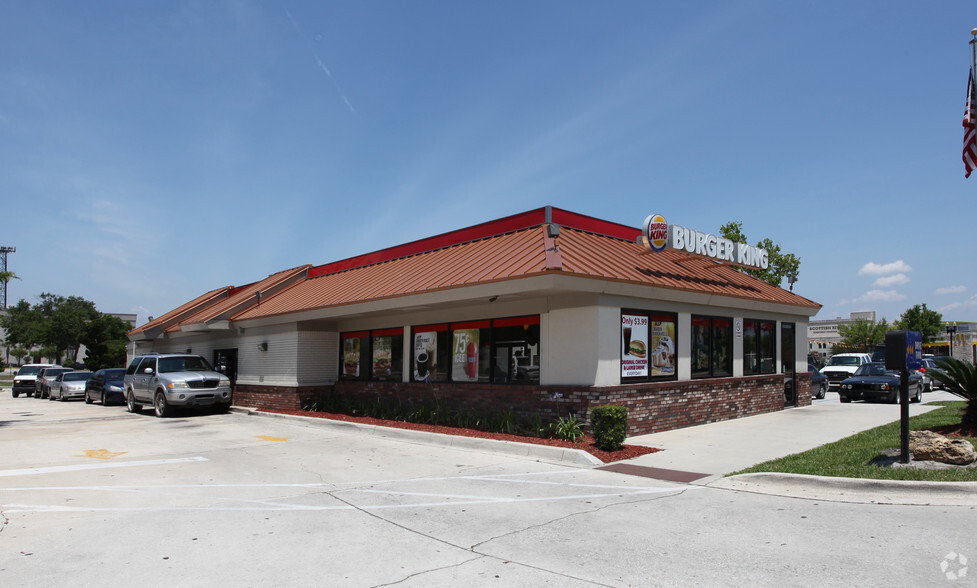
609, 425
568, 429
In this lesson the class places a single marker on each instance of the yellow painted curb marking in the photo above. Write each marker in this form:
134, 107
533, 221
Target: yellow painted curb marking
101, 453
267, 438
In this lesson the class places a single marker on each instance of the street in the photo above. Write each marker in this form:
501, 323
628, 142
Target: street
93, 496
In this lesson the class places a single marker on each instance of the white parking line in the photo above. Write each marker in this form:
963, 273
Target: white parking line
96, 466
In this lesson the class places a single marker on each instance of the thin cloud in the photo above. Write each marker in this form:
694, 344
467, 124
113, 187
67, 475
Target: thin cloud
875, 269
880, 296
950, 290
889, 281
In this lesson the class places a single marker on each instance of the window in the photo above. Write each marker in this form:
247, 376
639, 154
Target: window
759, 346
712, 347
499, 351
373, 355
647, 346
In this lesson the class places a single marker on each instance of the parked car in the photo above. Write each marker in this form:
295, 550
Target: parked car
873, 382
843, 365
26, 378
106, 386
167, 380
42, 388
819, 382
930, 383
69, 385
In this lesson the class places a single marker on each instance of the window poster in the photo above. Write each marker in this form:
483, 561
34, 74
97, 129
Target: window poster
634, 351
382, 356
464, 355
425, 356
351, 357
662, 346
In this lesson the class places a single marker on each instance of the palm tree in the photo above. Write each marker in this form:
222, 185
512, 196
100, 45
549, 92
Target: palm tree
5, 277
960, 379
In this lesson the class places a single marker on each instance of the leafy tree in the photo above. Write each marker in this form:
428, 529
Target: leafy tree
19, 353
105, 342
960, 379
919, 318
779, 264
64, 320
862, 334
56, 323
23, 325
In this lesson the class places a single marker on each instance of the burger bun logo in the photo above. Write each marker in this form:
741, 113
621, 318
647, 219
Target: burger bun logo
655, 232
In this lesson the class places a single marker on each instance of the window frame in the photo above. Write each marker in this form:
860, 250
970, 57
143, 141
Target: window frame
712, 349
652, 317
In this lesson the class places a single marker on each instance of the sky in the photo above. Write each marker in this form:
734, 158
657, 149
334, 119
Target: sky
154, 151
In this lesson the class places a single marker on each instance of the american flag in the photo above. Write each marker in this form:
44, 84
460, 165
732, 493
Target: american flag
970, 129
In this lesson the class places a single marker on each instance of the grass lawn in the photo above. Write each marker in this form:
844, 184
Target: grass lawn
849, 457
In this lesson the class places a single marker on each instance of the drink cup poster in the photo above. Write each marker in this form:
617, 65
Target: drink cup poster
634, 346
425, 356
464, 356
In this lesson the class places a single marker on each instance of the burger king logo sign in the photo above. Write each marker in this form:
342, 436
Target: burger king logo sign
655, 232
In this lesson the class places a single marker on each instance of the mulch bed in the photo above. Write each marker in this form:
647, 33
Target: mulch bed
958, 430
587, 444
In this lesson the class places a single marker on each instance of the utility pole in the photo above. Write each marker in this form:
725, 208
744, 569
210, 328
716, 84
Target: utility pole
3, 269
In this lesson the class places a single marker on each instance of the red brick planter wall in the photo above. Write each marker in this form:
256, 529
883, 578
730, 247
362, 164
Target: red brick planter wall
652, 407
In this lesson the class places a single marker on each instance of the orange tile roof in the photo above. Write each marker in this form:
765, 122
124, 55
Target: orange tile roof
243, 297
175, 316
512, 248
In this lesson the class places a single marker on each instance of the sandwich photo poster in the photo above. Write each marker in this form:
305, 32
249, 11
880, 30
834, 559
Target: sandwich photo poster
634, 349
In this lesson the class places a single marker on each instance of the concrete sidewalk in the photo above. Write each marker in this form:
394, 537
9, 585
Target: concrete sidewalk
721, 448
705, 454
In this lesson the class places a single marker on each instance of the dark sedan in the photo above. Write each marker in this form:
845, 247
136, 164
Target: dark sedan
105, 386
873, 382
819, 382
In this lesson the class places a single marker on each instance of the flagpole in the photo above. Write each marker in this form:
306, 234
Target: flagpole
973, 53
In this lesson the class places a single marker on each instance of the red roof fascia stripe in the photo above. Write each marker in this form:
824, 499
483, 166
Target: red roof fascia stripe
594, 225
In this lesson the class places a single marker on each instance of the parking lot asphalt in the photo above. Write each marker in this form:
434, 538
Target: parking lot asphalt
705, 455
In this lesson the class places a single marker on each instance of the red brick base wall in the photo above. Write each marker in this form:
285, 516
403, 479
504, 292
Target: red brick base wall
652, 407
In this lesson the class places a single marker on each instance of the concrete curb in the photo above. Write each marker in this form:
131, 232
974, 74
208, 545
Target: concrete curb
857, 490
529, 450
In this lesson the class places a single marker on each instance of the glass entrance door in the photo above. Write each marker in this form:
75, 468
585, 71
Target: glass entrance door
787, 350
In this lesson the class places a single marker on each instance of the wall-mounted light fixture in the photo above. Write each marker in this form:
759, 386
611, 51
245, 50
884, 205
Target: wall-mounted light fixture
189, 350
263, 346
493, 299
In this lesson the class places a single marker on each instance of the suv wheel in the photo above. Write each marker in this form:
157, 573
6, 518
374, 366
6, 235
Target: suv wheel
16, 394
88, 398
131, 405
822, 390
159, 403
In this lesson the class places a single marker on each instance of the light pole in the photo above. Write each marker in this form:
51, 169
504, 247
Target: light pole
951, 330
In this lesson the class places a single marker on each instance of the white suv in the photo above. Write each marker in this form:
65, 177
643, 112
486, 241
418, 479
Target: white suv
165, 380
26, 377
842, 366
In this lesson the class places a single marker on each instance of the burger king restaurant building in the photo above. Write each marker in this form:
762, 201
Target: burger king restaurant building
545, 313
